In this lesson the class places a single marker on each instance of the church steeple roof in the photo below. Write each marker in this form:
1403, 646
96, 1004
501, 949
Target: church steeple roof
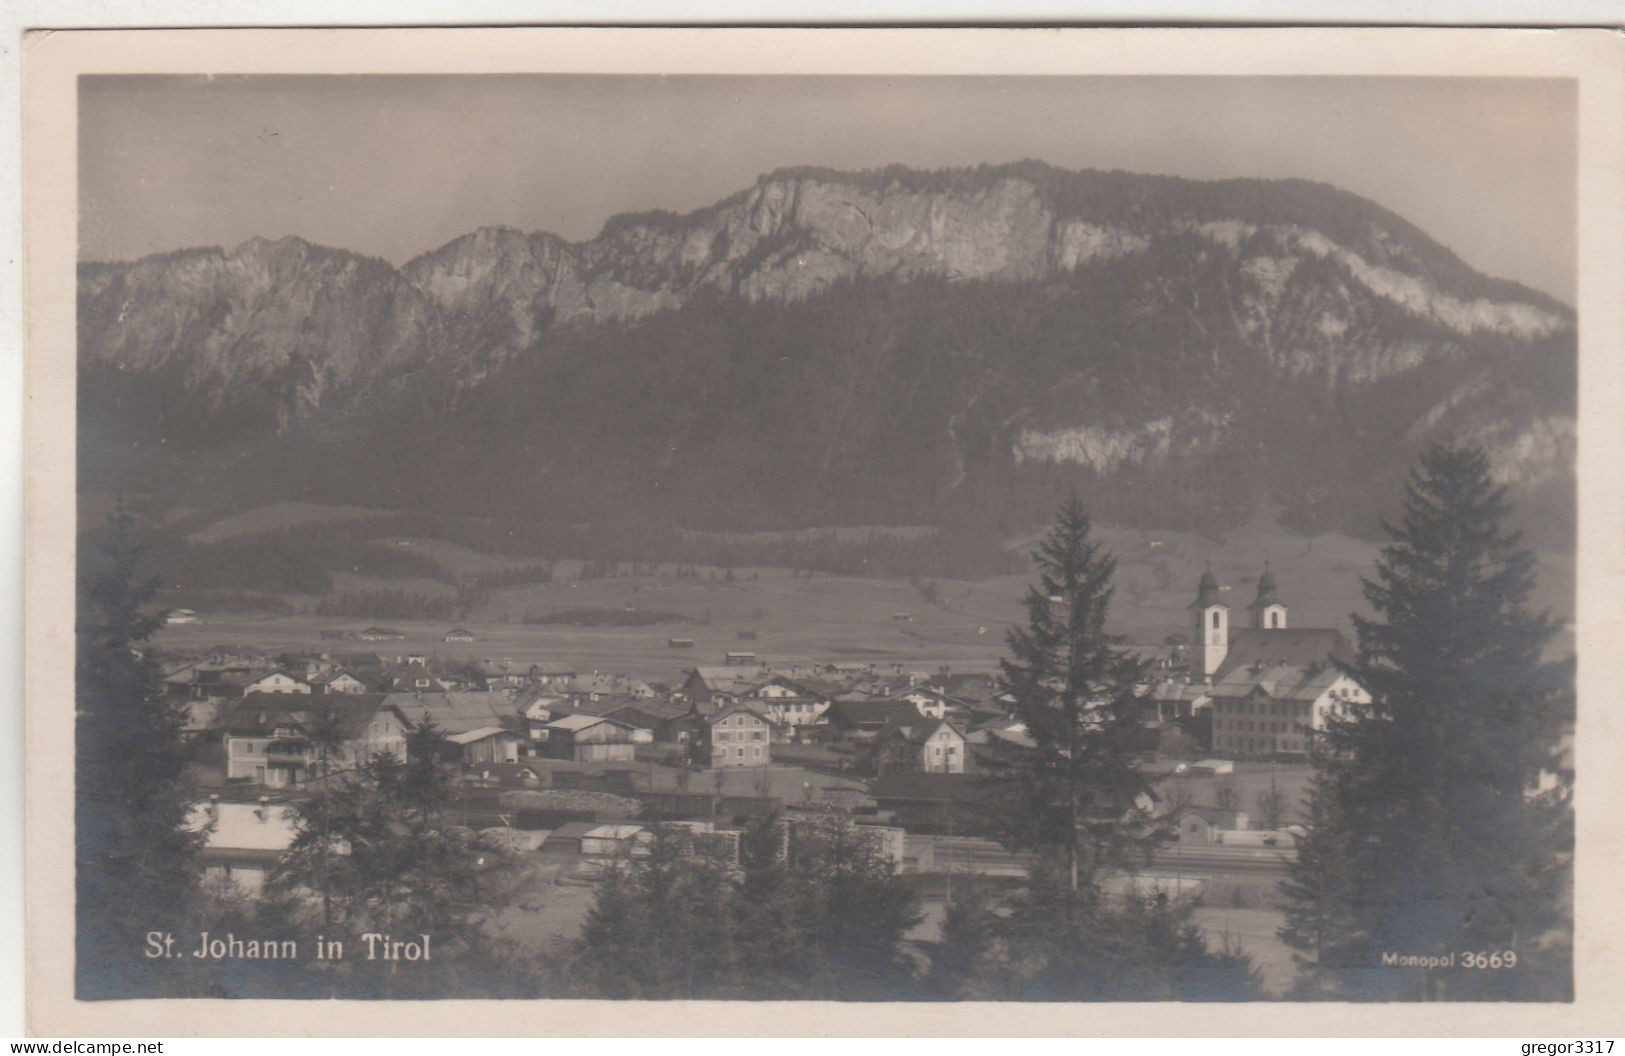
1266, 590
1207, 591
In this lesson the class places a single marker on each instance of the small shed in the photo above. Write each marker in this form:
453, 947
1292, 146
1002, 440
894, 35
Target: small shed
487, 744
595, 839
614, 841
1198, 825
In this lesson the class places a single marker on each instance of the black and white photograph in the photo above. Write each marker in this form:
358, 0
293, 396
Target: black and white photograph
807, 537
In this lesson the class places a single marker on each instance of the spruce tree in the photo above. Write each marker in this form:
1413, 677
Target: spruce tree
1075, 795
1319, 924
378, 850
1077, 800
135, 853
970, 960
1446, 852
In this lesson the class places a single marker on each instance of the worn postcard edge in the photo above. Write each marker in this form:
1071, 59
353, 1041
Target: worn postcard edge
51, 64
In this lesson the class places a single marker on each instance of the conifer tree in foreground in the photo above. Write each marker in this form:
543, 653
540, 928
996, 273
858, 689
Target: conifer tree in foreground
1423, 837
379, 850
1076, 795
134, 852
1319, 925
815, 911
1076, 801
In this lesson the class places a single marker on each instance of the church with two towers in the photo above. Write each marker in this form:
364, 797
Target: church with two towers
1268, 684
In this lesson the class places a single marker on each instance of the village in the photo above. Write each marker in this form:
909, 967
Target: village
574, 770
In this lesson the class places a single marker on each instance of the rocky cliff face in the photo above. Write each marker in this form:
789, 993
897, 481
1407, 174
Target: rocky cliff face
293, 324
1103, 323
793, 234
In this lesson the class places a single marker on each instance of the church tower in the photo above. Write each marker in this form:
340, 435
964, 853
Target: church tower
1268, 614
1212, 625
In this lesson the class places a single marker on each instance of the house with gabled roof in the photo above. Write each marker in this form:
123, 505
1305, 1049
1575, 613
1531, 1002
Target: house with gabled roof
337, 681
278, 681
708, 687
467, 713
931, 702
1198, 824
661, 719
921, 745
484, 745
284, 740
863, 719
733, 735
788, 703
355, 662
501, 674
587, 738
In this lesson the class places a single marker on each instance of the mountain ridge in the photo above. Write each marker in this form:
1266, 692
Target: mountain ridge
1033, 322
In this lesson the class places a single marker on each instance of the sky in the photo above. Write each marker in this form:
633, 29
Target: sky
395, 166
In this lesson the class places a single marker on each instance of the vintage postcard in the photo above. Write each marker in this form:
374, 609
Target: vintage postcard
967, 531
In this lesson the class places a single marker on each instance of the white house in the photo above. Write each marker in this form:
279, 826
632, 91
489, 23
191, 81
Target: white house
787, 703
338, 682
278, 682
245, 841
932, 746
930, 703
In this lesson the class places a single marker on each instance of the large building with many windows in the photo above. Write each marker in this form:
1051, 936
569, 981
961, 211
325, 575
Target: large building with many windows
1271, 685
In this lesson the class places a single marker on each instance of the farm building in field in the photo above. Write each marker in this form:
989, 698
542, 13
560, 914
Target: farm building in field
590, 739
